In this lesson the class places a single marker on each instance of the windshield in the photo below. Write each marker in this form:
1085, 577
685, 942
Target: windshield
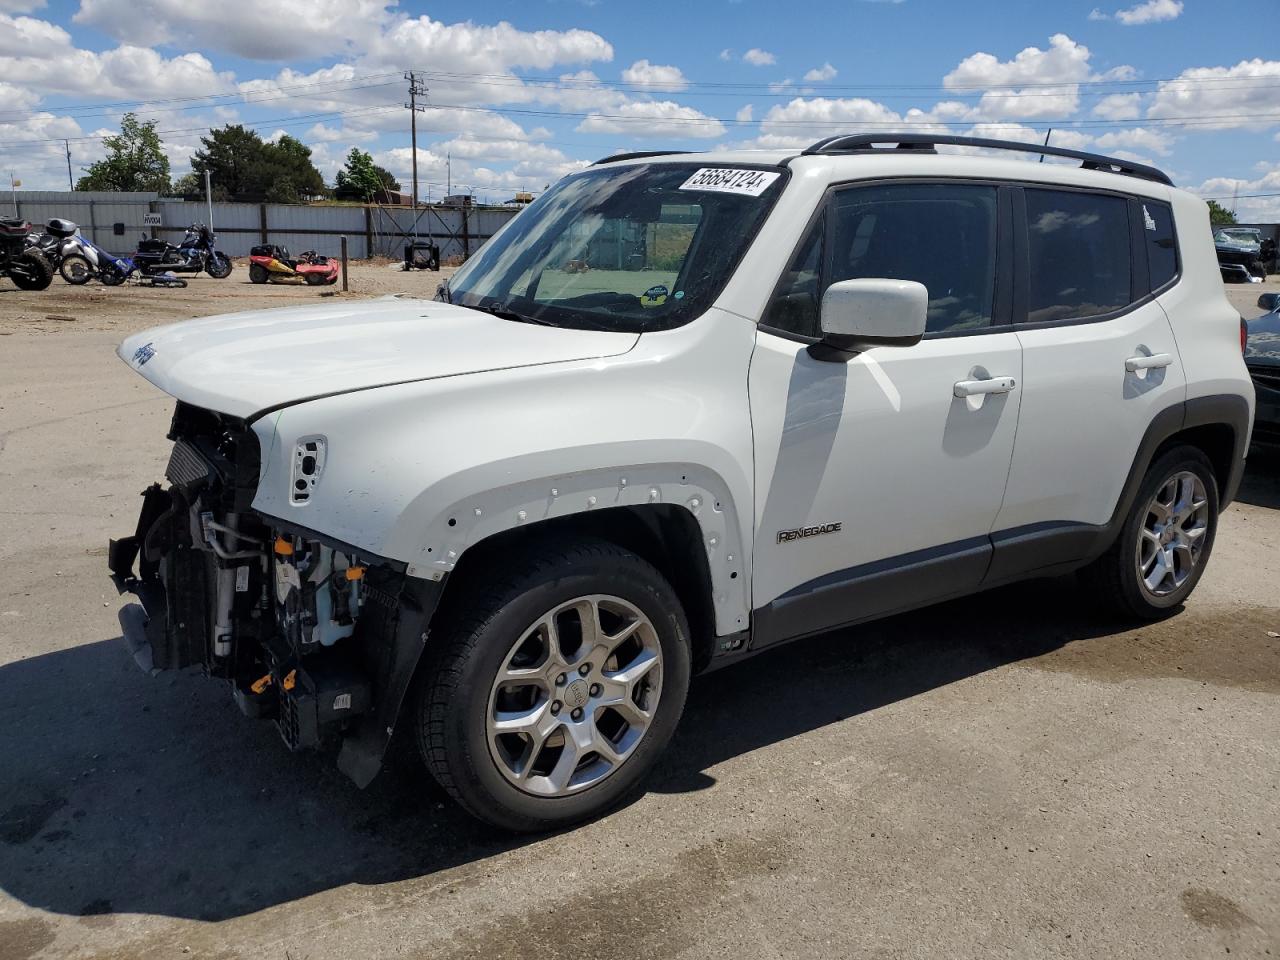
634, 248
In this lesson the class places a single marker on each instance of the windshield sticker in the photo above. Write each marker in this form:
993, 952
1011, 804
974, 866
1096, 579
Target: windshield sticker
1146, 215
749, 183
679, 294
654, 296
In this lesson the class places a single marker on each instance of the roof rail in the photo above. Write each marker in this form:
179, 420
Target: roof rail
637, 155
927, 142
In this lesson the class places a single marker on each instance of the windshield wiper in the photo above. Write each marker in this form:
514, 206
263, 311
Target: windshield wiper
506, 314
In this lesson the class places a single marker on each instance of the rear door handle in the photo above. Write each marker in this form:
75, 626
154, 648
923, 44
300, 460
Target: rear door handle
972, 388
1153, 362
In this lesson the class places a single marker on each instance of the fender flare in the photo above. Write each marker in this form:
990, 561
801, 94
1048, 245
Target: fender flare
472, 519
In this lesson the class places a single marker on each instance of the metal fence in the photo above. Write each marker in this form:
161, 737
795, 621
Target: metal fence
116, 220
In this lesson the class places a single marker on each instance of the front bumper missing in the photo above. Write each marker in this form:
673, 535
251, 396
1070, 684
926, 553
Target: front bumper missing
356, 692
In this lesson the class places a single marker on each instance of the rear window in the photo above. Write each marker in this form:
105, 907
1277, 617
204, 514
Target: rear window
1162, 247
1079, 254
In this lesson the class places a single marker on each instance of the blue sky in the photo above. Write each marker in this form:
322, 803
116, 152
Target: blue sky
522, 93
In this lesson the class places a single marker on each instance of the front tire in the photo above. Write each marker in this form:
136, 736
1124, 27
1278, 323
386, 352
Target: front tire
218, 266
1165, 542
558, 685
258, 273
31, 271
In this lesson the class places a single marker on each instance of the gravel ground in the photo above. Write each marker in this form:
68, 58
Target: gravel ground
1009, 775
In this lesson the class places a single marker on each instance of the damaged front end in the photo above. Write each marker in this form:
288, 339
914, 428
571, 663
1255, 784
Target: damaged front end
317, 636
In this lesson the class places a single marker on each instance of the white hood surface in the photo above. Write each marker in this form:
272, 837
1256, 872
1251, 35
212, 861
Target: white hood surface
243, 363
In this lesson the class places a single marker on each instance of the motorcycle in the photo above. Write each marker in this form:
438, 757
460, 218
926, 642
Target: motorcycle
271, 263
53, 243
83, 260
195, 253
26, 267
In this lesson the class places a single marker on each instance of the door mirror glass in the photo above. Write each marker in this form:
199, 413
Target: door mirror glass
860, 314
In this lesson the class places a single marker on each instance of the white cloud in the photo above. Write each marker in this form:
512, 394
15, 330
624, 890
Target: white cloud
654, 118
1065, 61
1153, 11
821, 74
759, 58
1248, 209
654, 76
726, 54
29, 37
1137, 138
259, 31
1096, 14
20, 6
1119, 106
744, 113
1239, 96
134, 72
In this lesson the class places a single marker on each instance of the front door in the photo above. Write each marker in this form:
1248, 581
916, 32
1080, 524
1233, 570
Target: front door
878, 480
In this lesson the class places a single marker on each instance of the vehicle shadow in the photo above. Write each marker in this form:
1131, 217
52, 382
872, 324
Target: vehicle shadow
128, 793
1261, 483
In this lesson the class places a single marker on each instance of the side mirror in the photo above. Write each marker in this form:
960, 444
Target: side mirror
860, 314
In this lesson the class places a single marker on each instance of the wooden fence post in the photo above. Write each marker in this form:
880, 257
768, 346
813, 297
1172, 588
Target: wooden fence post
344, 262
262, 221
368, 233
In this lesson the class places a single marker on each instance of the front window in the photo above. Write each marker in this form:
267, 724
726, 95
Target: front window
634, 248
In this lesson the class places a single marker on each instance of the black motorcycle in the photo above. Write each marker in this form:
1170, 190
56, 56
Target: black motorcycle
195, 253
55, 242
20, 263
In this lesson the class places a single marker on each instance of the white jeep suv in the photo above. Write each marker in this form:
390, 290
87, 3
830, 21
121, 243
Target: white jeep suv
680, 410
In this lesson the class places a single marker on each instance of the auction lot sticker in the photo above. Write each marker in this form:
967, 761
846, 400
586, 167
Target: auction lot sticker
750, 183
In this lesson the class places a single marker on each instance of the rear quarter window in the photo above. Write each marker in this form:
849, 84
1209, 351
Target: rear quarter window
1162, 244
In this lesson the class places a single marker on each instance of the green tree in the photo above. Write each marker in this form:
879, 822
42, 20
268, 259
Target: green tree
389, 182
1219, 215
135, 160
359, 176
244, 167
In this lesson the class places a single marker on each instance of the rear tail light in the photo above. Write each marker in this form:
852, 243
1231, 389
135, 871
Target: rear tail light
1244, 336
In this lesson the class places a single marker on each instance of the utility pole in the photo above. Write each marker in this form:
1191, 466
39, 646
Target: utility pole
71, 183
416, 90
208, 198
1046, 142
448, 175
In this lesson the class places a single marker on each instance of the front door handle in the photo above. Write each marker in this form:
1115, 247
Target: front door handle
1153, 362
972, 388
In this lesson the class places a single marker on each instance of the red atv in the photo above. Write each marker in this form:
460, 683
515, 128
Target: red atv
270, 263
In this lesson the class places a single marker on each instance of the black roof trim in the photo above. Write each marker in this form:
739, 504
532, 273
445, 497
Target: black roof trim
638, 155
927, 142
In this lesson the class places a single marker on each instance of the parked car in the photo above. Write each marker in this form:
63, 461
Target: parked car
515, 522
1240, 254
1262, 357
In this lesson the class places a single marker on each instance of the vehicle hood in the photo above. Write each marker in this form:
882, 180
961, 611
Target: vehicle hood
245, 363
1228, 245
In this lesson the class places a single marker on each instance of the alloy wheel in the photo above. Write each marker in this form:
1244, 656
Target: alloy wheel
1171, 541
574, 696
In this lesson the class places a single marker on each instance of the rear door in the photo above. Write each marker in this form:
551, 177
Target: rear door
1099, 363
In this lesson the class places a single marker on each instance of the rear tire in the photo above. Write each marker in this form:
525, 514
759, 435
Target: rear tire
30, 271
510, 649
258, 273
76, 270
1165, 542
315, 279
